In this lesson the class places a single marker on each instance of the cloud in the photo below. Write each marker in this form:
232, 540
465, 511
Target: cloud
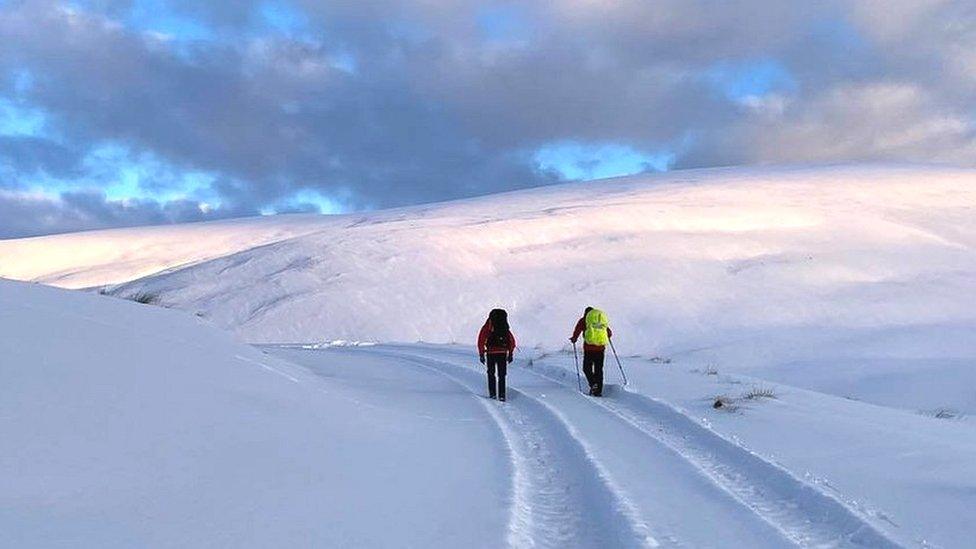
274, 115
24, 214
27, 154
387, 102
880, 121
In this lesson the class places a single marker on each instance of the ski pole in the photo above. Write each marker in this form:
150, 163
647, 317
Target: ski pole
579, 385
617, 358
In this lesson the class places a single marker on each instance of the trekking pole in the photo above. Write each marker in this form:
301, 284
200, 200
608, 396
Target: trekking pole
617, 358
579, 384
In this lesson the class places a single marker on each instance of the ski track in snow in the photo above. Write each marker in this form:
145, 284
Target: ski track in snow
802, 513
549, 495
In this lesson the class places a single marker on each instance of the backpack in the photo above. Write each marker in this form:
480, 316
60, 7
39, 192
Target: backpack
597, 323
498, 336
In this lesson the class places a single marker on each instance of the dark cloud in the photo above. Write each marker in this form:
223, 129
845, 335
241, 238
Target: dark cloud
274, 116
27, 154
25, 214
389, 102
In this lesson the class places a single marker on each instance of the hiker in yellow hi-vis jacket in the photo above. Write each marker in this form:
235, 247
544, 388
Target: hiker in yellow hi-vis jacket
595, 327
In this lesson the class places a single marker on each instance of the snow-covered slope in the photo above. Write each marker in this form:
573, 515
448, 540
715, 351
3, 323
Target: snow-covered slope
133, 426
96, 258
678, 259
825, 278
758, 270
125, 425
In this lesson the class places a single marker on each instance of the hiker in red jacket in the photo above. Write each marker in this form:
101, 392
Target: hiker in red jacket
593, 354
497, 342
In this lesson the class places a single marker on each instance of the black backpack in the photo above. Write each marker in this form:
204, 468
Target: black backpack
498, 336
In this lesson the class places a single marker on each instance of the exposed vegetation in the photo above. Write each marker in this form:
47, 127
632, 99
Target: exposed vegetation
757, 393
146, 298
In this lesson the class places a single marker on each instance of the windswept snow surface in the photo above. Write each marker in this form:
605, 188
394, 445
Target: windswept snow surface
97, 258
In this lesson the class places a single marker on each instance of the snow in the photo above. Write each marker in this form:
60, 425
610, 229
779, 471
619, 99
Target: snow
799, 468
846, 292
132, 425
96, 258
127, 425
776, 273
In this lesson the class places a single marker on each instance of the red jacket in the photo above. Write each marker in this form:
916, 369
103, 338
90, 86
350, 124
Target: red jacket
580, 327
483, 341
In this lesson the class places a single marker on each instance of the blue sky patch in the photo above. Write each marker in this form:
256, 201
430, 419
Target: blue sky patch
17, 120
283, 18
23, 81
576, 161
505, 22
839, 33
304, 198
156, 16
122, 174
740, 80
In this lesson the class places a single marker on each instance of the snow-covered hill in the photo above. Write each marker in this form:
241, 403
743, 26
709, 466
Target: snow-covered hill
777, 273
133, 425
678, 260
826, 278
96, 258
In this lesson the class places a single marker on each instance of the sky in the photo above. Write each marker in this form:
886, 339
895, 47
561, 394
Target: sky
132, 112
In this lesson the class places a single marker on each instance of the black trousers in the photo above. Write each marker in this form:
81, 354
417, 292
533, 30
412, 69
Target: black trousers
593, 369
499, 363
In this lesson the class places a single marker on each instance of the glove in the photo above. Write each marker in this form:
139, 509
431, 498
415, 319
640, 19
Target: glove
481, 357
510, 358
573, 339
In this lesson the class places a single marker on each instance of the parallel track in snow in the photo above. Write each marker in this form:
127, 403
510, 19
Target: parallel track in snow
801, 512
560, 498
